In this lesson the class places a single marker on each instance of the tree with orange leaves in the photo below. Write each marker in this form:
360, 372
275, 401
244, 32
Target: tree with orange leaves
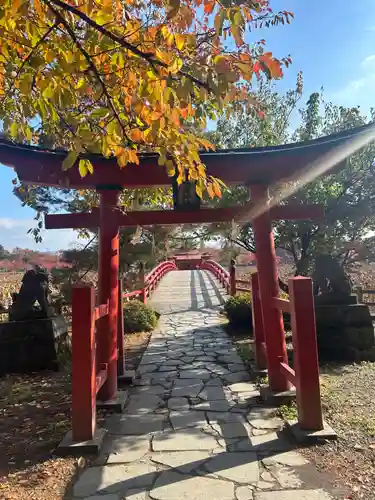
120, 77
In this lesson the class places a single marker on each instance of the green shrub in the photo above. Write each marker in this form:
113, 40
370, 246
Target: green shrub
238, 310
139, 317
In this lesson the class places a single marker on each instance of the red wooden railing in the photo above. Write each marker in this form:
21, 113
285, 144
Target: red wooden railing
217, 270
88, 375
305, 375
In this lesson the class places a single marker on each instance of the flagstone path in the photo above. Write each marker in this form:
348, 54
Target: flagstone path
193, 427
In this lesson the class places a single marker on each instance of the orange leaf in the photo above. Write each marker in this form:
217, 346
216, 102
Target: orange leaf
209, 6
136, 135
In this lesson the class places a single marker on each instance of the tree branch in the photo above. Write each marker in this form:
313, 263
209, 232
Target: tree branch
147, 56
92, 67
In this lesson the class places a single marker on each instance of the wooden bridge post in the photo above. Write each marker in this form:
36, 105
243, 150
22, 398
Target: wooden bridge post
232, 279
269, 288
142, 282
306, 364
108, 290
120, 334
258, 329
83, 364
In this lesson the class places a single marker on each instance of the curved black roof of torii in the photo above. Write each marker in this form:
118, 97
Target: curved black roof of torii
244, 165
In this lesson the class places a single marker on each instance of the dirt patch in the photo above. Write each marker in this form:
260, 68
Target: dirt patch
135, 346
348, 395
34, 416
35, 413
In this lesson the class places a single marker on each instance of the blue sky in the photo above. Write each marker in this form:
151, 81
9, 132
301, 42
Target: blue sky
331, 41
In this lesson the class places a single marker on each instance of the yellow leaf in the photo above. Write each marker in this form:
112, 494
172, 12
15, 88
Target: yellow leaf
171, 170
175, 66
199, 190
180, 41
82, 168
13, 130
162, 160
70, 160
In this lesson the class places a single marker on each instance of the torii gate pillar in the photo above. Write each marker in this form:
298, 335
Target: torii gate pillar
269, 288
108, 289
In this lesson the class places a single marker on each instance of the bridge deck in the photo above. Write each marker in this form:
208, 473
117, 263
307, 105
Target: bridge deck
193, 428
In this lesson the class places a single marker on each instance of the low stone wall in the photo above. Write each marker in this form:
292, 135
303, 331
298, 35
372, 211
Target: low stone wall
344, 332
32, 345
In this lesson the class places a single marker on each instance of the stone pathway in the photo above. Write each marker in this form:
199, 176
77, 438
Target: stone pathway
193, 427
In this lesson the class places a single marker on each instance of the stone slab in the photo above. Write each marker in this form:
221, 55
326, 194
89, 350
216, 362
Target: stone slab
69, 447
187, 439
122, 449
310, 436
263, 443
214, 417
238, 467
126, 377
213, 393
286, 477
114, 479
136, 424
187, 387
220, 405
116, 404
267, 423
232, 430
195, 373
243, 387
292, 495
184, 419
137, 494
244, 493
184, 461
178, 403
289, 458
143, 403
175, 486
277, 398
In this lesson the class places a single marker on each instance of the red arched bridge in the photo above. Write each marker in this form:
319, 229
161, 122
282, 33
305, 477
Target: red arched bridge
181, 286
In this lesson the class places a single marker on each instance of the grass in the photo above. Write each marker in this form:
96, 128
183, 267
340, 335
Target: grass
289, 412
348, 399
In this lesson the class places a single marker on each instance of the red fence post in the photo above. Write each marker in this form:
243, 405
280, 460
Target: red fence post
306, 364
83, 364
232, 278
260, 351
143, 296
108, 281
269, 288
120, 333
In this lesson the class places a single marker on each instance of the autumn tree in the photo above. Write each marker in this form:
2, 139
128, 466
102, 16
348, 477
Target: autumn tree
348, 195
119, 77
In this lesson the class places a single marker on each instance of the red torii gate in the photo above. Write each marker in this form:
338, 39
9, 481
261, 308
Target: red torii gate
256, 168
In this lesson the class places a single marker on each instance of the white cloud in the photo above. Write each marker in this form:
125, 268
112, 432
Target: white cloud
7, 223
369, 60
13, 233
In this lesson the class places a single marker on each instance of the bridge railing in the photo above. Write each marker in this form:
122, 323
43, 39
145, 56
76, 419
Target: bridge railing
305, 374
88, 375
217, 270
